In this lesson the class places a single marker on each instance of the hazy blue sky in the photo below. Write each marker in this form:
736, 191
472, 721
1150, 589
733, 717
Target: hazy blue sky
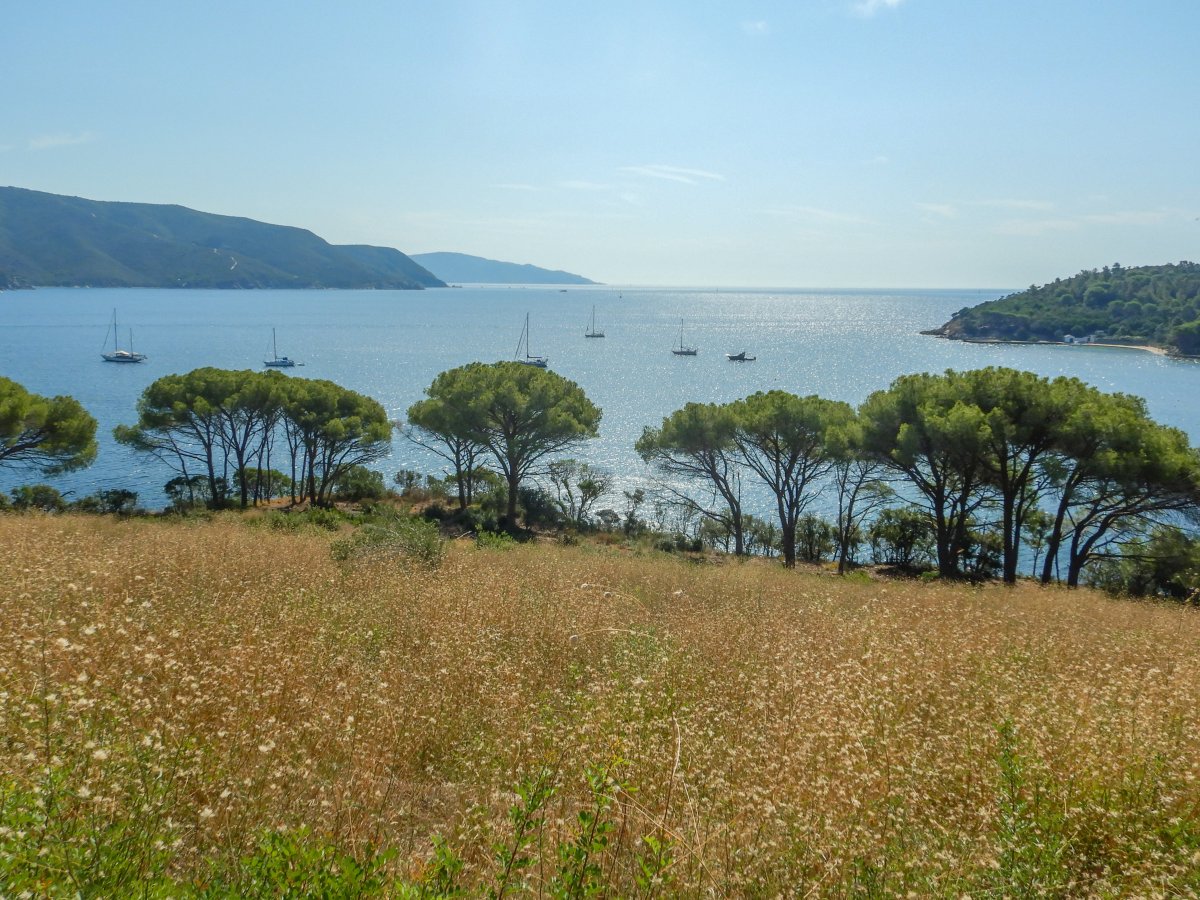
973, 143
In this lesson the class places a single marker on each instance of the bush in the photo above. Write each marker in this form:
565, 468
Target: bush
38, 496
1165, 564
902, 536
397, 536
494, 540
540, 508
316, 517
816, 539
115, 501
359, 483
189, 493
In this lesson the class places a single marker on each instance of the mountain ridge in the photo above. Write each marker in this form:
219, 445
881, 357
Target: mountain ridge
54, 240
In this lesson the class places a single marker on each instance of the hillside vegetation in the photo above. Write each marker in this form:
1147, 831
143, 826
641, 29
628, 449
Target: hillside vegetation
52, 240
1146, 304
217, 709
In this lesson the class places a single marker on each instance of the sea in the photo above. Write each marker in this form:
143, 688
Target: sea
389, 345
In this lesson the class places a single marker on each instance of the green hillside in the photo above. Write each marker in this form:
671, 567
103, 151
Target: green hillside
1158, 305
52, 240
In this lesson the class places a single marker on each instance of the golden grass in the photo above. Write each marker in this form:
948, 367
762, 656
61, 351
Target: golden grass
783, 732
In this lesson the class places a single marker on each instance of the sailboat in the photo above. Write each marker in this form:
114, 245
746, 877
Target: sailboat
528, 359
118, 355
681, 350
592, 332
278, 362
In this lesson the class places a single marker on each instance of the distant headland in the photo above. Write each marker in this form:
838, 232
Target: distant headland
459, 267
1157, 307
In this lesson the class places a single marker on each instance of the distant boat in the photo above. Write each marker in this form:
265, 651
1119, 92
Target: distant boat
118, 355
523, 342
592, 332
277, 361
740, 357
682, 350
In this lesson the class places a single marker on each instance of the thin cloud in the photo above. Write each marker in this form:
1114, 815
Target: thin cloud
867, 8
1036, 227
515, 187
50, 141
1128, 217
577, 185
1032, 205
941, 210
673, 173
756, 27
810, 213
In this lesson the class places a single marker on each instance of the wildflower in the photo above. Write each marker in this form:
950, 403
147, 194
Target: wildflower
100, 755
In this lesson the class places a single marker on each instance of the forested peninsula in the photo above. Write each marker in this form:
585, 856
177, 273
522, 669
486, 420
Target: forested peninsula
1155, 306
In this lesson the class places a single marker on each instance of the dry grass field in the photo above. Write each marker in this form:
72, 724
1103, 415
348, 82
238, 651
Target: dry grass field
220, 709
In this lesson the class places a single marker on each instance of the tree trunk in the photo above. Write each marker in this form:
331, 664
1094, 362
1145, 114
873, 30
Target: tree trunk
788, 539
511, 508
1012, 545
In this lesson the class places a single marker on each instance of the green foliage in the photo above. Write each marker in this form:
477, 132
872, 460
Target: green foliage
190, 492
789, 443
297, 864
41, 497
48, 434
518, 414
901, 536
111, 501
494, 540
209, 422
1186, 338
1165, 563
816, 539
1159, 304
697, 443
441, 878
359, 483
580, 873
394, 535
540, 510
297, 520
527, 817
578, 487
52, 845
1029, 829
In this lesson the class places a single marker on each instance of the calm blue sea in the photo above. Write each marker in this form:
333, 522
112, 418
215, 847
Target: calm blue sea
390, 345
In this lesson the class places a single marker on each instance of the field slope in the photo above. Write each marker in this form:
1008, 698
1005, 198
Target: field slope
174, 694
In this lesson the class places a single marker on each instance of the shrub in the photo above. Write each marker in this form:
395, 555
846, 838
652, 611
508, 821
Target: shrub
396, 537
114, 501
359, 483
901, 536
816, 539
38, 496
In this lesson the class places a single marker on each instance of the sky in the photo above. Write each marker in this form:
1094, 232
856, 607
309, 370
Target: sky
799, 143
